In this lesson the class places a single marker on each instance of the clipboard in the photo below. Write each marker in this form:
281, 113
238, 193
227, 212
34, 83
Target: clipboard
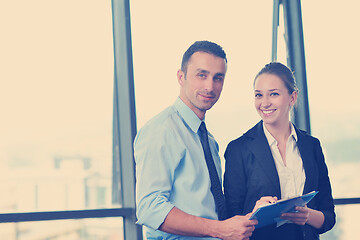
270, 214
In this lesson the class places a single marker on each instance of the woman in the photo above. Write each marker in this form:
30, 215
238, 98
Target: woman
275, 160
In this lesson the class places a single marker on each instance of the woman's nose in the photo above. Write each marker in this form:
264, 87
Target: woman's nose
266, 102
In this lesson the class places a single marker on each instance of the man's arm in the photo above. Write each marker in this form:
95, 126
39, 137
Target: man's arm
180, 223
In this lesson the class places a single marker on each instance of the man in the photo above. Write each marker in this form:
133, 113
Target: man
175, 187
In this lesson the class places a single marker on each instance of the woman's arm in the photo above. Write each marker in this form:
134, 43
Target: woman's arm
324, 200
234, 180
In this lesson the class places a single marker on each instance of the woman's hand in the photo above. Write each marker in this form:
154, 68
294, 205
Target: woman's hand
263, 201
300, 217
304, 215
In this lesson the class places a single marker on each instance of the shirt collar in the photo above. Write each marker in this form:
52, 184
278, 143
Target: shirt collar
272, 140
269, 137
190, 118
293, 132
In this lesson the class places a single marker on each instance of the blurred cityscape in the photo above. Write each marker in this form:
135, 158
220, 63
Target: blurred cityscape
71, 184
342, 158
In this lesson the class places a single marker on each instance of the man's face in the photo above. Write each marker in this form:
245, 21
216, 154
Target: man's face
202, 85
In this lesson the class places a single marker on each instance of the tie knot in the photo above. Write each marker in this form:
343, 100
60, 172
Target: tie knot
202, 128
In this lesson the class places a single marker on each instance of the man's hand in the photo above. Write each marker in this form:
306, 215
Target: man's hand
237, 228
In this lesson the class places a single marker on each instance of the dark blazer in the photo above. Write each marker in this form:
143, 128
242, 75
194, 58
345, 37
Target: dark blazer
250, 173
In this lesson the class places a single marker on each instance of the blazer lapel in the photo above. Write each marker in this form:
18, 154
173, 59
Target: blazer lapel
308, 161
261, 150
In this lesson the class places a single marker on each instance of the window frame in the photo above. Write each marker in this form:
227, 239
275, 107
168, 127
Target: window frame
124, 131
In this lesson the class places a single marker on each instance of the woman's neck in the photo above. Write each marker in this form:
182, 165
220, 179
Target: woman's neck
280, 132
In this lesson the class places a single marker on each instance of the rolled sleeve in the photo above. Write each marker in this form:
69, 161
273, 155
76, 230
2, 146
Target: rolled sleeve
154, 177
152, 211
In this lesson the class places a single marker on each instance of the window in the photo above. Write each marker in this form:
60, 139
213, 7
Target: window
56, 106
162, 31
105, 228
332, 50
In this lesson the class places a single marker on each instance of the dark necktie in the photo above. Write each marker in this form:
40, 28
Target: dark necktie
215, 188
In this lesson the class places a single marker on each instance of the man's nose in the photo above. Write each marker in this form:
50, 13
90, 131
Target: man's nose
209, 84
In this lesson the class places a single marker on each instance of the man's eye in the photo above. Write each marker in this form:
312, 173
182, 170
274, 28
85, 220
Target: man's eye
201, 75
219, 79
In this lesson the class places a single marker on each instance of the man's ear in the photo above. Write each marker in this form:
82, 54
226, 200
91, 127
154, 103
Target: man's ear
181, 77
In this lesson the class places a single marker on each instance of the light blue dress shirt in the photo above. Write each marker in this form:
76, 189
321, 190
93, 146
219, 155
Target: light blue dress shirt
171, 170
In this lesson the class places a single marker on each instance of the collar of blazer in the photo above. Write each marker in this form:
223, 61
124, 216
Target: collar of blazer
259, 146
306, 147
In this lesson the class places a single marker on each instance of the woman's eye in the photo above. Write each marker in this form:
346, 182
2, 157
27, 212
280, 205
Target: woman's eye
274, 94
257, 95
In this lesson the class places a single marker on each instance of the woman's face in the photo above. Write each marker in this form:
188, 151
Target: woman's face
272, 99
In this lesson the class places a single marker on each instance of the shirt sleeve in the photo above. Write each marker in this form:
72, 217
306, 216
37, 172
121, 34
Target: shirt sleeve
154, 152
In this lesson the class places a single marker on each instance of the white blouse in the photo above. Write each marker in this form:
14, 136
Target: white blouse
292, 176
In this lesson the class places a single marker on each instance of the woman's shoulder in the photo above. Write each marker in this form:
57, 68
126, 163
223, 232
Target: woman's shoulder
306, 138
247, 137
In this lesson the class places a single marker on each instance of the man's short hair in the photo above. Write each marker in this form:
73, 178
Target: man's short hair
202, 46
